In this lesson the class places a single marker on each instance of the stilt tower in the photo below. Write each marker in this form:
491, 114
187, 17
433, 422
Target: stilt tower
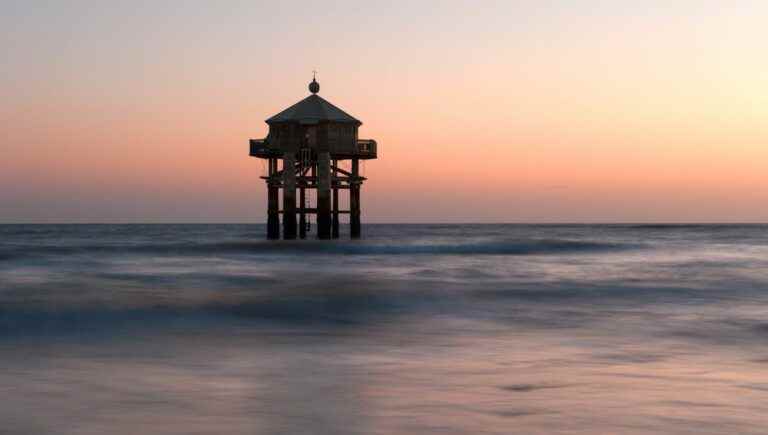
304, 148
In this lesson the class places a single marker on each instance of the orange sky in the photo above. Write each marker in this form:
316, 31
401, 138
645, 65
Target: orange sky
570, 112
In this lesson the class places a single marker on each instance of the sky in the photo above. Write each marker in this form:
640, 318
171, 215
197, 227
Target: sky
484, 111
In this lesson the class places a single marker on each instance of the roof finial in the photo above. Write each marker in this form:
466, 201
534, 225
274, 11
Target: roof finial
314, 87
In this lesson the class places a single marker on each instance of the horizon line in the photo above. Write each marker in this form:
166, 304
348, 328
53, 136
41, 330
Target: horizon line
670, 223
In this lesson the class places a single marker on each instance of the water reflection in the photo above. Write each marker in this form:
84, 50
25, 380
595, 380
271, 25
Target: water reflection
446, 376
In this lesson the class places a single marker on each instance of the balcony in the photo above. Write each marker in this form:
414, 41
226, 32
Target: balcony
260, 148
366, 148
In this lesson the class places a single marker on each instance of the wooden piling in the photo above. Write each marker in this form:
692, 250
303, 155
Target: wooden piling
289, 196
273, 211
354, 200
302, 213
335, 204
324, 195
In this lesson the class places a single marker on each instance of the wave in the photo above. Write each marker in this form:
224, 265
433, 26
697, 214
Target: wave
521, 247
338, 310
563, 306
689, 226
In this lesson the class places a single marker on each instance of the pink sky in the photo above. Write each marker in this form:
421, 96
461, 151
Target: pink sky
512, 112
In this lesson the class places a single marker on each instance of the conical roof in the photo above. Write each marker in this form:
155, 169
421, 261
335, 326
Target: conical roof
312, 110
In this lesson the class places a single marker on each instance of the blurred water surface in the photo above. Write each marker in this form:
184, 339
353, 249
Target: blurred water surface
450, 329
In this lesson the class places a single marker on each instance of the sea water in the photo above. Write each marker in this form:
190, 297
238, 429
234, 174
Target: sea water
415, 329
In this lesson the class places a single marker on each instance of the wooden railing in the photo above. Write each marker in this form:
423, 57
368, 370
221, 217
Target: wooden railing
259, 147
366, 147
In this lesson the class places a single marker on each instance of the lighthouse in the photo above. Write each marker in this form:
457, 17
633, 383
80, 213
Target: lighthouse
304, 148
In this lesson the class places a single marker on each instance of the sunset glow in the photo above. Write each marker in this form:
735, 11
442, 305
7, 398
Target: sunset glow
506, 112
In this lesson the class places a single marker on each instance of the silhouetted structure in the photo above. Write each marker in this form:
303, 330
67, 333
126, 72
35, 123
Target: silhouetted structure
311, 138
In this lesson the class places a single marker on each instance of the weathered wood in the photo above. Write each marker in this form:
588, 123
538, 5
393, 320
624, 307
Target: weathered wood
339, 170
309, 179
335, 202
302, 214
313, 210
323, 196
289, 197
321, 135
273, 220
354, 201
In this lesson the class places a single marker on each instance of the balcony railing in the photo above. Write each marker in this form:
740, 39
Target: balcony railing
259, 148
366, 147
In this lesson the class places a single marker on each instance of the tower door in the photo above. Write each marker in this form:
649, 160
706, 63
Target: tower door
311, 136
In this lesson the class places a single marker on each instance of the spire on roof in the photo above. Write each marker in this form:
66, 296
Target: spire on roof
314, 87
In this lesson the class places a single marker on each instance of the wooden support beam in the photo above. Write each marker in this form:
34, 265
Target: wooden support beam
311, 179
347, 173
324, 195
335, 202
273, 220
313, 210
279, 174
354, 201
312, 186
302, 213
289, 197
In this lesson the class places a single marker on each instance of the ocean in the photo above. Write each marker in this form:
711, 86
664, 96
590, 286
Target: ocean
415, 329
